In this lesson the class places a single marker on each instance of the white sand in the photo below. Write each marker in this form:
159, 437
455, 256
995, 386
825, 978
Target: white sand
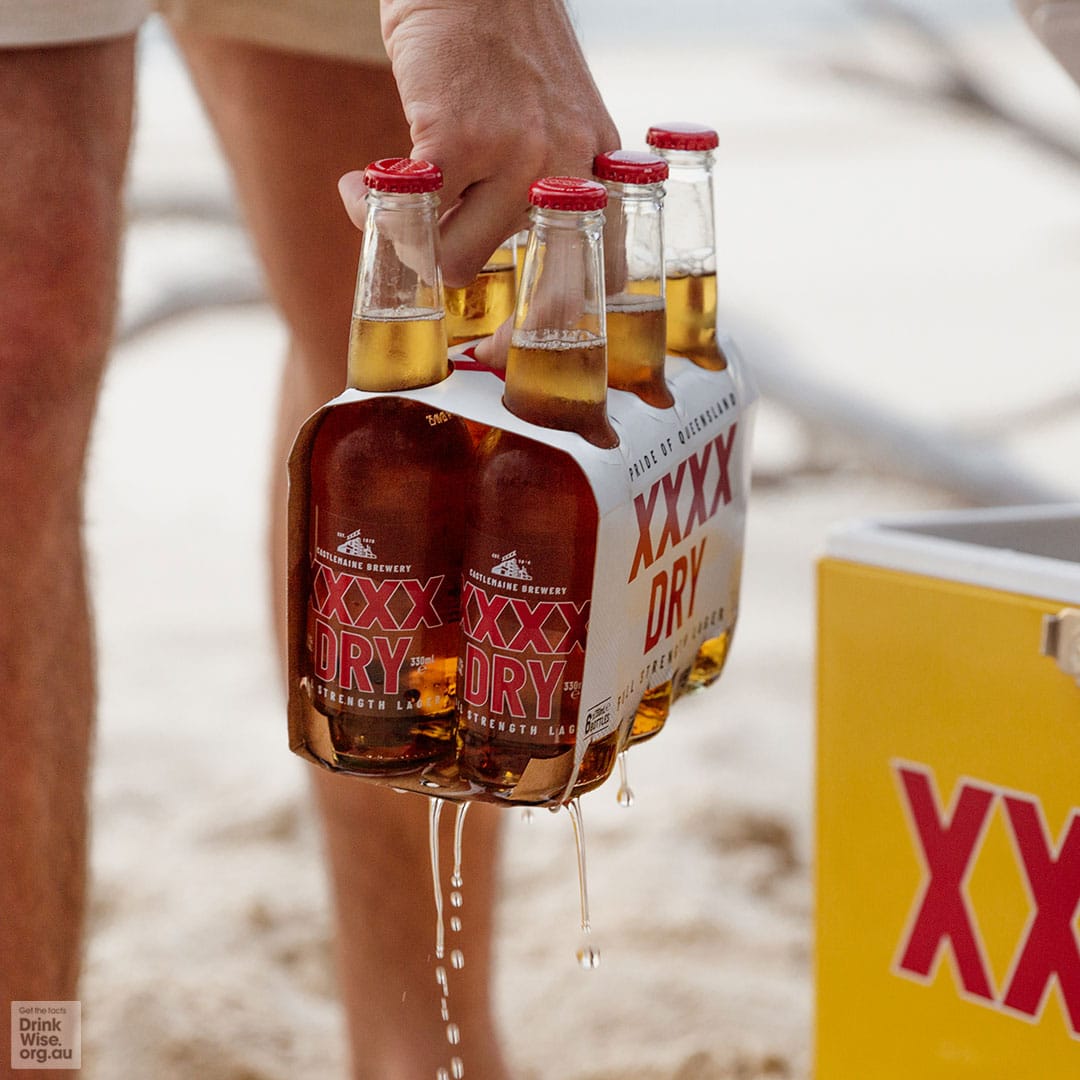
925, 259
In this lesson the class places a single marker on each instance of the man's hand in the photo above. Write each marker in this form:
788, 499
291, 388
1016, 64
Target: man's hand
497, 94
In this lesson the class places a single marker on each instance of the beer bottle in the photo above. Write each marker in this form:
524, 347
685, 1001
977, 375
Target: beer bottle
636, 318
690, 261
634, 273
479, 308
384, 530
690, 242
531, 520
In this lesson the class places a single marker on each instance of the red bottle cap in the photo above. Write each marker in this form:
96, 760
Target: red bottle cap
630, 167
682, 137
568, 193
403, 176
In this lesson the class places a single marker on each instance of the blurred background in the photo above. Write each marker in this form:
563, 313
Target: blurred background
898, 222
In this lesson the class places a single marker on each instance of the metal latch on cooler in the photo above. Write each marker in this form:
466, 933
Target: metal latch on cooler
1061, 640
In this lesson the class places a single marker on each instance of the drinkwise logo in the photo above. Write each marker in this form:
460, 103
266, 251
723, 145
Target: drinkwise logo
46, 1035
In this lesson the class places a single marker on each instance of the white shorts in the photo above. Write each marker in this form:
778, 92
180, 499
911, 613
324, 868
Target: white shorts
342, 28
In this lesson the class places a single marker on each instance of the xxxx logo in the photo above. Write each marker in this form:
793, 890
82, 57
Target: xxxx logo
514, 624
366, 603
948, 845
682, 499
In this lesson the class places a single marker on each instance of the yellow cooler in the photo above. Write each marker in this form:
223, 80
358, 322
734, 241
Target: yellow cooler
948, 798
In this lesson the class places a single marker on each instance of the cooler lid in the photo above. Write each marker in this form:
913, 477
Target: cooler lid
1031, 550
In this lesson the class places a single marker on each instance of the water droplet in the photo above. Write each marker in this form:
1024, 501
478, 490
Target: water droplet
444, 1009
455, 924
456, 899
457, 959
457, 881
440, 978
457, 1068
453, 1034
425, 781
588, 957
442, 1074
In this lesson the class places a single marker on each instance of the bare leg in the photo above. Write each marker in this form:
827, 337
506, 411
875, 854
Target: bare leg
292, 125
64, 126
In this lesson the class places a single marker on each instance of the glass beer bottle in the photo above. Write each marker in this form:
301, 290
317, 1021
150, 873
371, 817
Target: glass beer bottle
690, 260
384, 530
690, 241
476, 310
636, 319
531, 521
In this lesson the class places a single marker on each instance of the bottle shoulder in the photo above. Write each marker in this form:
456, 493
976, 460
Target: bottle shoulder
391, 428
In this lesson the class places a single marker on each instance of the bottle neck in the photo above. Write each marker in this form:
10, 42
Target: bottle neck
689, 227
398, 335
556, 371
634, 240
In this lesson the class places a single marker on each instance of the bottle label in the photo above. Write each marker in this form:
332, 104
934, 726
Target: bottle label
371, 623
684, 555
523, 653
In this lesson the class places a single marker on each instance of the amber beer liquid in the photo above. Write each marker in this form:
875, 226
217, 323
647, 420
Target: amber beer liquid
481, 307
690, 267
404, 342
636, 331
384, 526
531, 524
691, 303
557, 382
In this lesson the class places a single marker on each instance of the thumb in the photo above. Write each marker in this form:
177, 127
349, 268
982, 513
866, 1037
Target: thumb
492, 350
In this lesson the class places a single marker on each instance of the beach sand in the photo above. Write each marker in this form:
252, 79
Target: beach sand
905, 251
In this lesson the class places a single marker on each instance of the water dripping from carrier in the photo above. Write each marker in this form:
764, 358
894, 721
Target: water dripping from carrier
434, 814
459, 829
457, 956
625, 794
588, 956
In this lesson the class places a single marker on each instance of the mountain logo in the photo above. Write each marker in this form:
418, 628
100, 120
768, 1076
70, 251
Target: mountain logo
357, 545
510, 566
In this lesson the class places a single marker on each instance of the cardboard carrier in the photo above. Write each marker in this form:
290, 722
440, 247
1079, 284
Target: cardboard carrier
948, 798
671, 503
